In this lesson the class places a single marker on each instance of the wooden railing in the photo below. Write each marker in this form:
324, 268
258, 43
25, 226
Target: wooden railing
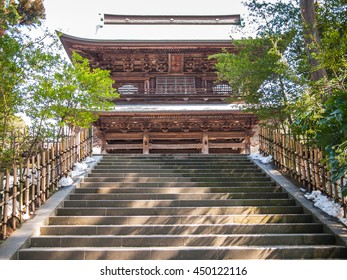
302, 163
176, 90
27, 186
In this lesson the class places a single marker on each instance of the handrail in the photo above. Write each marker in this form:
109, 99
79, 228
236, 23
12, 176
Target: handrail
302, 163
175, 90
37, 179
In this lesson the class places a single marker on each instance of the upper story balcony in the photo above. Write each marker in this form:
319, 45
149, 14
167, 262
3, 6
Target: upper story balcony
185, 95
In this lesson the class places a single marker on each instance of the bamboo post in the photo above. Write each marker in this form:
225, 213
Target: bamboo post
46, 174
69, 153
278, 149
2, 190
318, 181
78, 146
90, 141
33, 184
262, 141
43, 177
66, 155
38, 182
21, 183
14, 196
283, 152
295, 159
6, 201
27, 187
315, 182
330, 185
292, 157
53, 171
58, 157
308, 169
63, 156
336, 192
302, 165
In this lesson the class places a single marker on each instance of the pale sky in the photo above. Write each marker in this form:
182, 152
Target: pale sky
80, 18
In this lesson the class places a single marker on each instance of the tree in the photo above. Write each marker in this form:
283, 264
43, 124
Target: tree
262, 72
311, 38
70, 95
322, 114
22, 12
52, 92
302, 69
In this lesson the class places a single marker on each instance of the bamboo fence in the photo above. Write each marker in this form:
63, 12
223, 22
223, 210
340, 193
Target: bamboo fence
302, 163
27, 186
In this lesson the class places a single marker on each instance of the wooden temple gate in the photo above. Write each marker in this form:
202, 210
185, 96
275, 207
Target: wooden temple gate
165, 73
193, 132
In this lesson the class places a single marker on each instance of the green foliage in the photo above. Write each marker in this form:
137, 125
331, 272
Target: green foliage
332, 133
71, 94
321, 113
54, 93
273, 73
247, 70
22, 12
260, 74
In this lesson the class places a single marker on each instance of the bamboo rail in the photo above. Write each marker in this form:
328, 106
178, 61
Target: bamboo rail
37, 179
302, 163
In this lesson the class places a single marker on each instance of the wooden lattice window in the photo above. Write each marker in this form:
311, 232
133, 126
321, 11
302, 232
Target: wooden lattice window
128, 89
175, 85
222, 89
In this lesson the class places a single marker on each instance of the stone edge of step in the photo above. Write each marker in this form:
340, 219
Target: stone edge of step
331, 224
20, 239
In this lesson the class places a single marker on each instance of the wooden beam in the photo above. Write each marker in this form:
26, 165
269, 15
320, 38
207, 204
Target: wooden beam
175, 135
123, 147
227, 145
174, 146
172, 19
128, 135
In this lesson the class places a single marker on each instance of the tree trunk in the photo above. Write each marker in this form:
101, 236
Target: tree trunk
311, 36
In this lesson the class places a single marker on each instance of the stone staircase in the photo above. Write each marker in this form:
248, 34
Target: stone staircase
181, 207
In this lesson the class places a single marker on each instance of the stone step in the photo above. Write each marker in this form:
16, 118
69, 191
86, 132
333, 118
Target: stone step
176, 184
190, 157
177, 203
181, 219
176, 179
187, 253
173, 175
184, 240
211, 166
157, 196
181, 207
119, 211
225, 171
195, 163
182, 229
174, 190
186, 157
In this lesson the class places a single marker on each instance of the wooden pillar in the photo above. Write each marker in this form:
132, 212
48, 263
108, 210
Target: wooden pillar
146, 86
247, 144
101, 136
145, 143
205, 149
